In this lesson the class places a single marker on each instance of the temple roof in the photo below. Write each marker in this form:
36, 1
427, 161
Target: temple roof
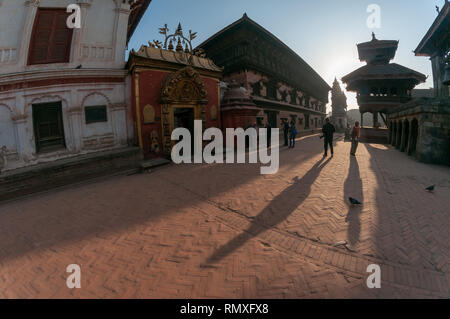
305, 76
377, 51
138, 8
169, 56
439, 30
386, 71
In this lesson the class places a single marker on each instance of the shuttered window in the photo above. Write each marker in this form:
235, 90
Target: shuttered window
51, 38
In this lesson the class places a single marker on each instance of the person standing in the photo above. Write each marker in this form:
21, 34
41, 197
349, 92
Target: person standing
328, 131
286, 132
356, 134
293, 135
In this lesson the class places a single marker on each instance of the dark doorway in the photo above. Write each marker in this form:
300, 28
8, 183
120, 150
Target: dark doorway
398, 144
184, 117
48, 126
405, 140
414, 134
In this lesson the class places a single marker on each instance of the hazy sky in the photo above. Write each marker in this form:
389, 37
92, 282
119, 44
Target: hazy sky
323, 32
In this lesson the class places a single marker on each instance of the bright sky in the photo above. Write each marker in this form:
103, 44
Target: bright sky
323, 32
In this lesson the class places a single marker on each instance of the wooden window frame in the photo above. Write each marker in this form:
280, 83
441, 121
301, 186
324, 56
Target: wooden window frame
50, 46
92, 107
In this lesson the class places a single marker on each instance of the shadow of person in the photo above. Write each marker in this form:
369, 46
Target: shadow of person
276, 212
353, 188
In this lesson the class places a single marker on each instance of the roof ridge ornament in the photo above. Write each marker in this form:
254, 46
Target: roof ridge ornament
176, 40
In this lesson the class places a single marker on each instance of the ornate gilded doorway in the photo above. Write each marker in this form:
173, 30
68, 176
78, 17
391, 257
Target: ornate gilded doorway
183, 90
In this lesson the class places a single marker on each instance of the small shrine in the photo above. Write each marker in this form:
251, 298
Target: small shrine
380, 85
172, 85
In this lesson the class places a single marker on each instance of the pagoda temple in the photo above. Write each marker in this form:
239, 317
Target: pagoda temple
381, 85
339, 107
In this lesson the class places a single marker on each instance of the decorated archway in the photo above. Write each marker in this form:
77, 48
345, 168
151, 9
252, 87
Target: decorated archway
182, 90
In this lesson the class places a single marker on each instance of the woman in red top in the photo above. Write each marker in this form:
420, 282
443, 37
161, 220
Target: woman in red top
356, 133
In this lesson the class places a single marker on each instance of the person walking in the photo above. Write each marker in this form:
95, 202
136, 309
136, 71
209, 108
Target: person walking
356, 134
328, 131
286, 132
293, 135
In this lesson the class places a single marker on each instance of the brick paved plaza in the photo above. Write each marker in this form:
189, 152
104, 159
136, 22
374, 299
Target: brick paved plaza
212, 231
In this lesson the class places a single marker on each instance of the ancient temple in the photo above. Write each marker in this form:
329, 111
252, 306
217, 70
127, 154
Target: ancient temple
421, 127
436, 45
339, 107
171, 87
381, 85
270, 77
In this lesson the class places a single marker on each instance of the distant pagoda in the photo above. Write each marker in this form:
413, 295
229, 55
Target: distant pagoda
381, 85
338, 106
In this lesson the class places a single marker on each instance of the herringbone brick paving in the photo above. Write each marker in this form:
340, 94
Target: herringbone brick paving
212, 231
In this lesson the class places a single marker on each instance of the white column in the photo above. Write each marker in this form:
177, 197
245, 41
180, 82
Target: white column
75, 118
30, 15
24, 147
118, 119
120, 40
77, 38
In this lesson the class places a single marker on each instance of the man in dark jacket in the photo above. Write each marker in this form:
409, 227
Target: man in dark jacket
328, 131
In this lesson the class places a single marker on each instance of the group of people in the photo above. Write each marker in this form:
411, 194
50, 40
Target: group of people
328, 130
290, 133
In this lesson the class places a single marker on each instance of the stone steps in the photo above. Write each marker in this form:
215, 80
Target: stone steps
43, 177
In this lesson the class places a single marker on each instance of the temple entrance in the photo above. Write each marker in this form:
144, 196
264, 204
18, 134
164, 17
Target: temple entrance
184, 99
183, 117
48, 126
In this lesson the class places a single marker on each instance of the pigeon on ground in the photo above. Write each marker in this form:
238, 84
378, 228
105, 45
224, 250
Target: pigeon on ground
430, 189
79, 67
354, 201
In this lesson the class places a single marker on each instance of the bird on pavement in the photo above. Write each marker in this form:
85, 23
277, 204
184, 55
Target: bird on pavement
354, 201
430, 188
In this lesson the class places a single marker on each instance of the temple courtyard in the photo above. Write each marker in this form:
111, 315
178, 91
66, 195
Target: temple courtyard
225, 231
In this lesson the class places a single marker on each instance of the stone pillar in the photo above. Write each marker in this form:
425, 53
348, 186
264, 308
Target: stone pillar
118, 118
399, 135
77, 38
75, 118
24, 147
409, 146
390, 134
403, 139
394, 134
120, 32
374, 119
30, 14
